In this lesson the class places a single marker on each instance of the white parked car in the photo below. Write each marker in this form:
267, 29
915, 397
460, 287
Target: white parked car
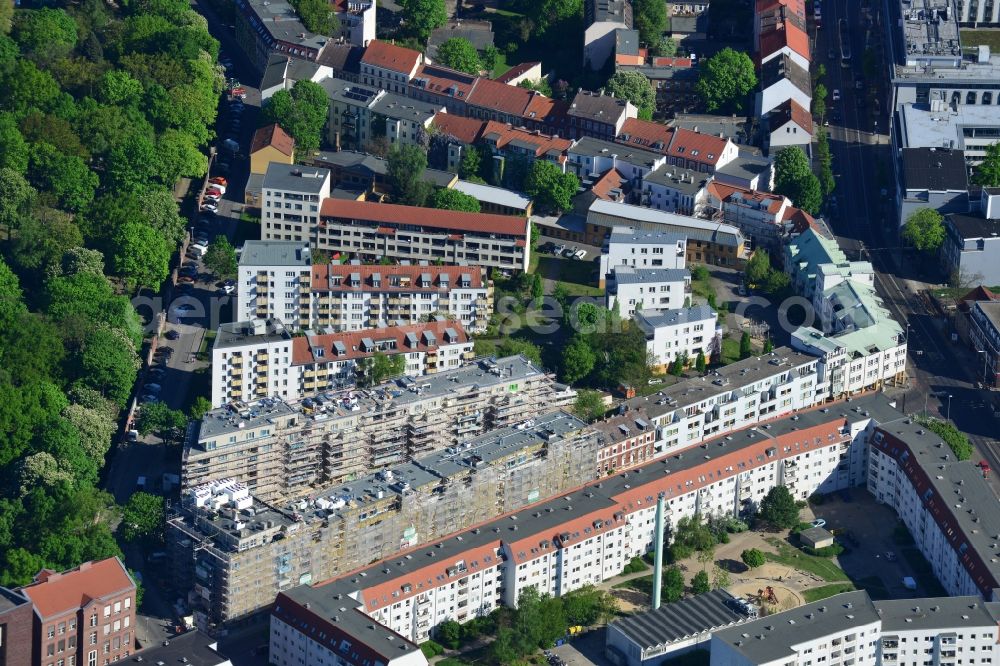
836, 95
210, 207
579, 254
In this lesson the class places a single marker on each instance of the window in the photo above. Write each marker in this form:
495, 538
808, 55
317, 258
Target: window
118, 607
107, 611
92, 658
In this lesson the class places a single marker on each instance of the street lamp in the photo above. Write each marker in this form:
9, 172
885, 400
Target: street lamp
948, 413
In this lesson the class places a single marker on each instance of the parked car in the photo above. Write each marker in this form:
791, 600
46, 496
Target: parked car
172, 334
819, 522
547, 247
156, 374
148, 399
836, 94
164, 350
559, 249
185, 279
215, 189
219, 180
153, 388
579, 254
211, 207
569, 252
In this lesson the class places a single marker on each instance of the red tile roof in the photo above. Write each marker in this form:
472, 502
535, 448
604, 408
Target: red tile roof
792, 110
444, 81
390, 56
504, 133
695, 146
57, 593
672, 62
394, 215
272, 135
788, 34
302, 347
321, 274
627, 59
516, 71
723, 192
980, 293
611, 179
466, 130
500, 97
546, 110
645, 133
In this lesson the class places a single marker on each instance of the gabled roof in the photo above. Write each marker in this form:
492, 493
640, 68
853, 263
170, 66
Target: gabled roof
501, 97
611, 180
645, 133
784, 68
466, 130
516, 71
272, 135
392, 57
444, 81
55, 593
427, 336
598, 107
790, 110
787, 35
696, 146
505, 133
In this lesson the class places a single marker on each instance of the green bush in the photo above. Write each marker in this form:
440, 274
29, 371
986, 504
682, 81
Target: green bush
801, 526
431, 648
955, 439
635, 566
827, 551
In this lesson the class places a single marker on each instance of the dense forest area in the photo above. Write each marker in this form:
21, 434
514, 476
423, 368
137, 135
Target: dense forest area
103, 107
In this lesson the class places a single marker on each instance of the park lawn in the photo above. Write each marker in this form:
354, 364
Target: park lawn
642, 584
823, 567
501, 67
702, 288
730, 350
577, 277
818, 593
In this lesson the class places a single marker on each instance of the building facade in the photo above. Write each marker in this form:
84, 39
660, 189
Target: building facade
273, 281
984, 333
630, 290
282, 449
84, 615
16, 620
683, 334
640, 249
970, 254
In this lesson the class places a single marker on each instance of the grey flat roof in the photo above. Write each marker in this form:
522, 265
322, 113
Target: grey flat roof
295, 178
626, 42
927, 34
731, 128
973, 226
746, 166
226, 419
935, 169
992, 312
632, 275
239, 333
687, 181
658, 318
937, 613
10, 599
681, 225
682, 619
281, 21
191, 647
275, 253
771, 638
639, 237
496, 195
815, 534
353, 94
922, 127
589, 146
405, 108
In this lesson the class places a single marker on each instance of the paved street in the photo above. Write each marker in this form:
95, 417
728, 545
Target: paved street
936, 367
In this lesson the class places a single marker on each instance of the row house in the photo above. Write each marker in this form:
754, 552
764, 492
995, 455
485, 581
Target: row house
598, 115
587, 535
782, 80
683, 147
386, 66
589, 158
763, 217
359, 115
517, 143
779, 29
626, 440
282, 449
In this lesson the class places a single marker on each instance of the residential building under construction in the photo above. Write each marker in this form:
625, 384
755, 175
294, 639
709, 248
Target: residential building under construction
236, 553
286, 449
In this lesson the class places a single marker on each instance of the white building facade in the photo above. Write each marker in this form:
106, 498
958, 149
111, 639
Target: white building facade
643, 249
273, 281
633, 289
684, 333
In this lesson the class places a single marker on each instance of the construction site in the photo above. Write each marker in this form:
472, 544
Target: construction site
236, 551
284, 450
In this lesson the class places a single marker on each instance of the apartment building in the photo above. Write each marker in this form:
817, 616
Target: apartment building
783, 79
444, 86
685, 148
374, 230
507, 141
264, 28
763, 218
346, 297
358, 115
236, 554
386, 66
984, 334
252, 360
602, 18
673, 190
861, 345
630, 290
707, 241
16, 620
683, 333
273, 282
291, 197
779, 30
282, 449
733, 397
642, 249
844, 627
598, 115
587, 535
589, 158
357, 21
84, 615
626, 440
971, 250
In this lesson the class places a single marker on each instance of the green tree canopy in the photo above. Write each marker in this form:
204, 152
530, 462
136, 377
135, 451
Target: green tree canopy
14, 151
301, 111
221, 257
66, 177
423, 16
589, 405
108, 362
649, 17
16, 196
318, 16
381, 367
726, 80
143, 256
635, 87
158, 418
448, 199
405, 175
924, 230
459, 53
758, 268
753, 558
514, 346
550, 188
672, 585
988, 172
700, 583
794, 178
545, 14
45, 33
578, 360
778, 509
142, 516
745, 347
